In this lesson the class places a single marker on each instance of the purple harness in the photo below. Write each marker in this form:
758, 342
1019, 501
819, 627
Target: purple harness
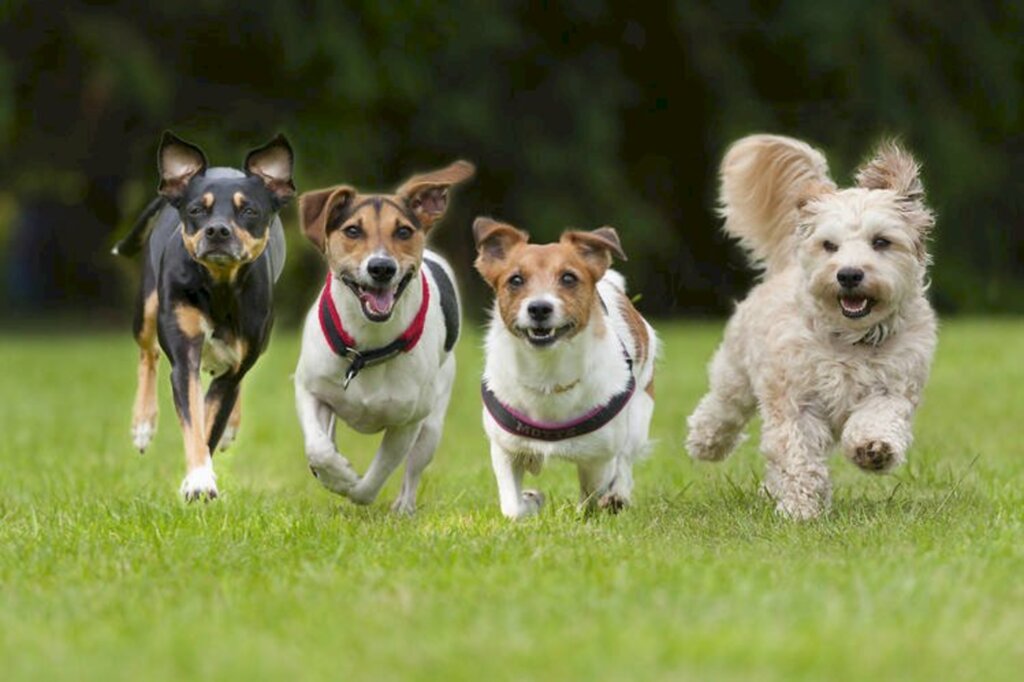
519, 424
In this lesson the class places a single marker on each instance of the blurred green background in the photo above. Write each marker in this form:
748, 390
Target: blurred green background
576, 113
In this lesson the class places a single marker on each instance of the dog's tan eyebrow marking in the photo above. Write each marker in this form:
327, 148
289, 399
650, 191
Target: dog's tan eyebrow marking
239, 199
208, 200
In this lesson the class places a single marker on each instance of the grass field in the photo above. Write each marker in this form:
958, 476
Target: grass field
106, 574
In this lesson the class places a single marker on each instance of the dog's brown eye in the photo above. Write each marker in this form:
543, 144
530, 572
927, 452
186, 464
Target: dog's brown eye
403, 233
880, 244
829, 246
352, 231
196, 210
516, 281
569, 278
249, 212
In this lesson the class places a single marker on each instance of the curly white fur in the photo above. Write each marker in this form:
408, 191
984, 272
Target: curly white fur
818, 373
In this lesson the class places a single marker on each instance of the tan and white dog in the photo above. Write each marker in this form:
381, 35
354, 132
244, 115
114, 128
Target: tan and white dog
377, 346
569, 365
836, 343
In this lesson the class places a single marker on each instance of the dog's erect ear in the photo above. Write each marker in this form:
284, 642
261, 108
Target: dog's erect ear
274, 163
892, 167
426, 194
178, 162
494, 240
597, 247
320, 209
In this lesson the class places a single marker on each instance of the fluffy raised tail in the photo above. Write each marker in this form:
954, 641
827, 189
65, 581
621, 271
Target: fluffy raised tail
764, 180
132, 242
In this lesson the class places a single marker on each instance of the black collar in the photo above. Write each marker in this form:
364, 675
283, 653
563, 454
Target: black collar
520, 425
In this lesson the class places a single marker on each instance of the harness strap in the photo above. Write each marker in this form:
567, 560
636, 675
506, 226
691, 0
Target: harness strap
519, 424
344, 345
449, 303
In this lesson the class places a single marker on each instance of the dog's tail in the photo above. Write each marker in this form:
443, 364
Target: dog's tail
764, 180
132, 242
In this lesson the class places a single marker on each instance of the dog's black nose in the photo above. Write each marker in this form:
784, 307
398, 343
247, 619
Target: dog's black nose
381, 269
539, 310
218, 232
850, 277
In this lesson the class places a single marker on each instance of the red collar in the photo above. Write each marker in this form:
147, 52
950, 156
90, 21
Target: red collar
345, 345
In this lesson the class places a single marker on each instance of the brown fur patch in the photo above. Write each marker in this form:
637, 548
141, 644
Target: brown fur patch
146, 406
252, 246
191, 321
238, 199
191, 242
380, 218
208, 200
637, 329
541, 266
235, 418
193, 426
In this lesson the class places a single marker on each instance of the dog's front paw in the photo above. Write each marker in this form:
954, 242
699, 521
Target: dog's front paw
875, 456
333, 471
142, 434
613, 502
529, 503
200, 484
798, 495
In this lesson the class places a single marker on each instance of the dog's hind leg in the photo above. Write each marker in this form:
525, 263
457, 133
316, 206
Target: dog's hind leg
420, 455
393, 449
605, 484
234, 422
796, 441
716, 426
144, 412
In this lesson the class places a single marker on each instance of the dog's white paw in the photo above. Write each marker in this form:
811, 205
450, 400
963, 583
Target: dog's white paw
530, 503
227, 438
200, 484
403, 506
142, 434
333, 471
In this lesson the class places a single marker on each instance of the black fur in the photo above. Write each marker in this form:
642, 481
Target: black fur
239, 307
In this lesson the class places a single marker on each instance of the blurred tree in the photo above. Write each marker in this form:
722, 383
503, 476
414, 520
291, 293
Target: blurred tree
577, 114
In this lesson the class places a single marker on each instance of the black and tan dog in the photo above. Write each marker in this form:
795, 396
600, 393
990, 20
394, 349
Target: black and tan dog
212, 255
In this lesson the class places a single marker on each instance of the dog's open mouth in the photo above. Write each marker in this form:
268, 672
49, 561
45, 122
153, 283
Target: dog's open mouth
377, 302
545, 336
855, 306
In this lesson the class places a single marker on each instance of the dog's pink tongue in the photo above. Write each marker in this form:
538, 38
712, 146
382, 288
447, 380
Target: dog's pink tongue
380, 301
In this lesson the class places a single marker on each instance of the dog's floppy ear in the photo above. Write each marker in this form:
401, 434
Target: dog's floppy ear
426, 194
893, 168
597, 247
320, 209
274, 163
494, 240
178, 162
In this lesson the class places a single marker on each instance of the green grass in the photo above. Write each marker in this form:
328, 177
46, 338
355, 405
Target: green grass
105, 574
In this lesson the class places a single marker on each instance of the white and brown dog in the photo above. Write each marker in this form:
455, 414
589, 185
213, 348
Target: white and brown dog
835, 344
377, 345
569, 364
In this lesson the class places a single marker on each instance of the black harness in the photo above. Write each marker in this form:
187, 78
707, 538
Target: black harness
520, 425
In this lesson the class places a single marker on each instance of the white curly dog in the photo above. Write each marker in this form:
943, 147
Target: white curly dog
835, 343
